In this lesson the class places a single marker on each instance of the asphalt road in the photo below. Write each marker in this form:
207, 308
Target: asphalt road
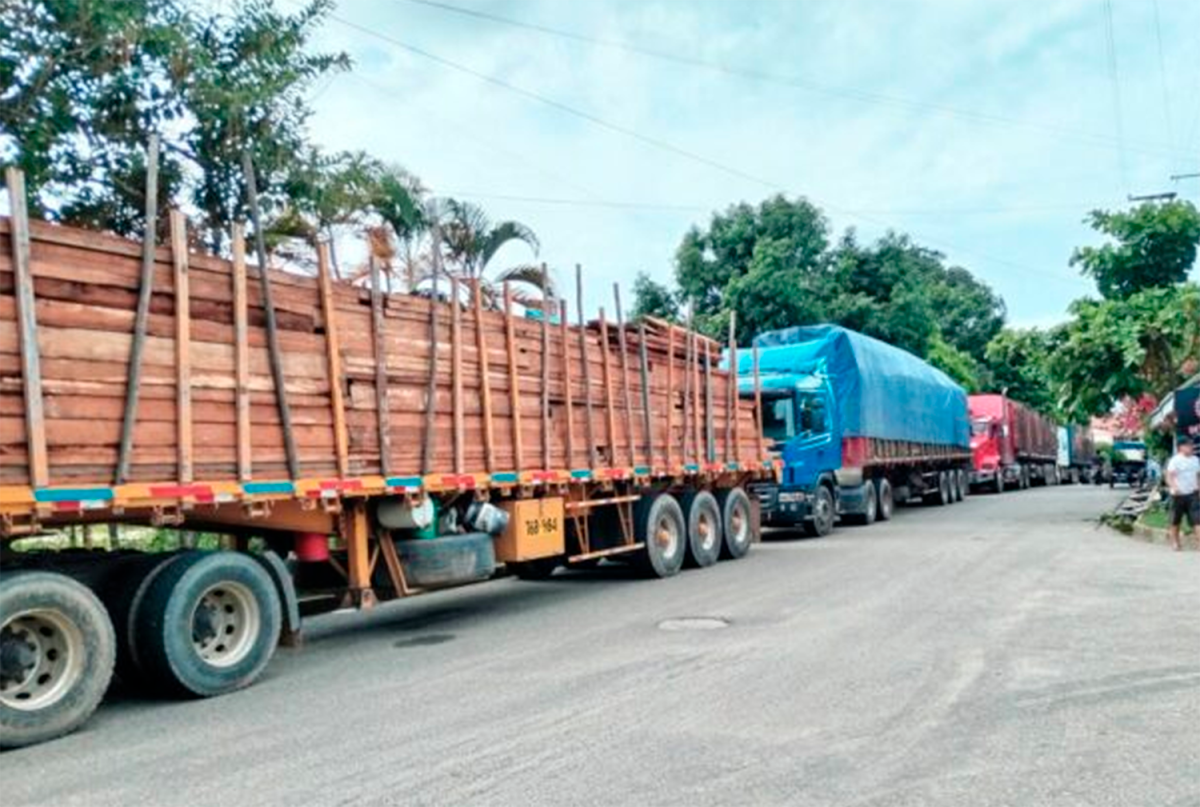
1003, 651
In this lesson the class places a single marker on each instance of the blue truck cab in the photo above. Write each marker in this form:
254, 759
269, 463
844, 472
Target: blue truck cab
857, 425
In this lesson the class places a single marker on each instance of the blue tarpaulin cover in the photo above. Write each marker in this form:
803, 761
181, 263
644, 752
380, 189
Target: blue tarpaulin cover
881, 391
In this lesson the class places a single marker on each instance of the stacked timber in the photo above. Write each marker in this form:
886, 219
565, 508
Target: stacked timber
510, 393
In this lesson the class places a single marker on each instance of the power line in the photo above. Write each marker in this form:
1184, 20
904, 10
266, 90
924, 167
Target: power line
1114, 78
654, 141
1162, 75
866, 96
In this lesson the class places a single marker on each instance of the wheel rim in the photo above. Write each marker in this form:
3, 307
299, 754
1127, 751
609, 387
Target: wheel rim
41, 659
666, 536
706, 531
226, 622
739, 526
824, 507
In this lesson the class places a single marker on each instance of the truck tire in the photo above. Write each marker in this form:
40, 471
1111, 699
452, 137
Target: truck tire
940, 495
998, 484
122, 594
57, 652
660, 526
1024, 477
964, 487
886, 498
704, 533
870, 507
738, 529
450, 560
208, 624
820, 523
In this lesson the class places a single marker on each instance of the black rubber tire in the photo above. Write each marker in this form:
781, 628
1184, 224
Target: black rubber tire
738, 528
886, 499
1024, 484
537, 569
122, 593
164, 623
652, 514
940, 496
999, 483
952, 482
823, 513
704, 523
871, 514
449, 560
76, 604
964, 484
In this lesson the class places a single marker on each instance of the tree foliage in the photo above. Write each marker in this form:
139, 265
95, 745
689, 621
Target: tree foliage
652, 299
773, 266
1017, 361
1152, 246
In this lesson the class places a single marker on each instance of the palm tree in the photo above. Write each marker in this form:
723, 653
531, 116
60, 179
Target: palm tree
470, 241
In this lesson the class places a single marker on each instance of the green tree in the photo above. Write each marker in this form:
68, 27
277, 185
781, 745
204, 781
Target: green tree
955, 363
470, 241
1126, 348
653, 299
709, 261
1152, 246
1017, 361
82, 86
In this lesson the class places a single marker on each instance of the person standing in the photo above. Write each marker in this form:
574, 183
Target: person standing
1183, 483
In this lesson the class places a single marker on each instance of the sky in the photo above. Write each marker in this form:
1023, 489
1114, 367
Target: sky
984, 129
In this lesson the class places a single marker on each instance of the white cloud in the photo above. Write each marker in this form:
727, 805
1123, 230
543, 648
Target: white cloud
1040, 62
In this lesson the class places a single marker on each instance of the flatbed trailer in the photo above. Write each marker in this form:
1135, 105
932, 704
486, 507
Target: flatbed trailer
350, 447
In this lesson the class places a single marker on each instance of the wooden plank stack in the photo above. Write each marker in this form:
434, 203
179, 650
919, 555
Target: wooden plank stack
206, 379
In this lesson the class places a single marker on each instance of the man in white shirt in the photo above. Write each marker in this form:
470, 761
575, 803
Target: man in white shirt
1183, 483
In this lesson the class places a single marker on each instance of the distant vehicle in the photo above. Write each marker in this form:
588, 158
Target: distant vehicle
860, 425
1076, 454
1013, 446
1129, 463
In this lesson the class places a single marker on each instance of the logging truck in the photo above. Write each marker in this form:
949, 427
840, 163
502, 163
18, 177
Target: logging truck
348, 446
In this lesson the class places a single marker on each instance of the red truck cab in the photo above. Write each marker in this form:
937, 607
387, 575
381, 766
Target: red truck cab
991, 440
1011, 444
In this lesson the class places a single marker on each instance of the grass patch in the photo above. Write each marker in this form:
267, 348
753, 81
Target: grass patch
1155, 517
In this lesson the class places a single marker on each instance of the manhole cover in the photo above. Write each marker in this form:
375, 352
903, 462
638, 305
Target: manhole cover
694, 623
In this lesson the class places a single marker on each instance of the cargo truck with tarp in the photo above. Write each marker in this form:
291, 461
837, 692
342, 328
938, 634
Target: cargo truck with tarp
1076, 454
1013, 445
857, 424
344, 446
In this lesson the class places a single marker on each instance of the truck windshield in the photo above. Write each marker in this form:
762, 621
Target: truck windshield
779, 419
813, 417
979, 427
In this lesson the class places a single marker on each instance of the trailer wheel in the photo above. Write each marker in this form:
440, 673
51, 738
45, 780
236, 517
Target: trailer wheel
659, 524
57, 652
704, 533
737, 523
208, 624
887, 499
955, 491
940, 496
122, 594
1024, 483
964, 485
821, 522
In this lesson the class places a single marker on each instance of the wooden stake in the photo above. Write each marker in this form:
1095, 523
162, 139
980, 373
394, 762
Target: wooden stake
545, 432
241, 355
485, 383
31, 366
429, 445
627, 405
710, 441
383, 414
274, 350
647, 418
587, 367
670, 407
568, 402
731, 429
333, 353
758, 418
610, 421
514, 386
687, 392
456, 377
183, 343
142, 317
